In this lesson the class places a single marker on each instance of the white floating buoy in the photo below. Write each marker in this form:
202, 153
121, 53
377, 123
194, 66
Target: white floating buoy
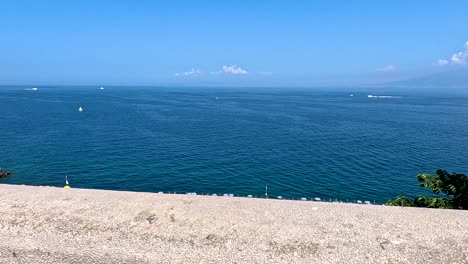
67, 186
80, 109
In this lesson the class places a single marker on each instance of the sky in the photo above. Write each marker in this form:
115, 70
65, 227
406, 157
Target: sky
297, 43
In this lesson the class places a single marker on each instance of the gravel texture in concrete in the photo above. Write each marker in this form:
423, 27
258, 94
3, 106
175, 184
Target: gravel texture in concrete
55, 225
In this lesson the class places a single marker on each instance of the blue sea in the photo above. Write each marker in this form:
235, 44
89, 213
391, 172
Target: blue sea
302, 143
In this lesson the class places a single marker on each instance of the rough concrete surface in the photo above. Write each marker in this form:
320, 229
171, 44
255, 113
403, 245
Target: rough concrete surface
55, 225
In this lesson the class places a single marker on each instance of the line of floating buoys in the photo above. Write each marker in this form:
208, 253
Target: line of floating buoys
316, 199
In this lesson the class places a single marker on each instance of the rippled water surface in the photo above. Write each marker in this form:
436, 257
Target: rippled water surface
300, 143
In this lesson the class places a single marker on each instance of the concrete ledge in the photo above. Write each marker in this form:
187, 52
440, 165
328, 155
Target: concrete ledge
55, 225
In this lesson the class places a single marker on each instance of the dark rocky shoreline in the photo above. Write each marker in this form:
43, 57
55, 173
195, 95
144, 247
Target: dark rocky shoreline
4, 174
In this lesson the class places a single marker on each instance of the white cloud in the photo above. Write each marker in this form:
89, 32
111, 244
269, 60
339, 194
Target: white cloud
460, 57
192, 72
234, 70
457, 58
388, 68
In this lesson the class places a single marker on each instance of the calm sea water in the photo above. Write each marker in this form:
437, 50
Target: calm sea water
300, 143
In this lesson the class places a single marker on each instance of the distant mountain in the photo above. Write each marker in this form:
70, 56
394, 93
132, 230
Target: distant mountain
454, 79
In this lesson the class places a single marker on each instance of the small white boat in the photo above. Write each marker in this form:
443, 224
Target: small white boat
351, 95
34, 89
382, 96
102, 88
80, 109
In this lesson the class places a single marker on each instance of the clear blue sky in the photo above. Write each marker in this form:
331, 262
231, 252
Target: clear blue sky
257, 42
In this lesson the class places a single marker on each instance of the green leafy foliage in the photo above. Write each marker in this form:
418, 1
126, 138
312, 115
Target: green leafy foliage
450, 191
400, 200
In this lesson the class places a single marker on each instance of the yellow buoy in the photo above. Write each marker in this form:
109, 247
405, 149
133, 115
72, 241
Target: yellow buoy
66, 183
